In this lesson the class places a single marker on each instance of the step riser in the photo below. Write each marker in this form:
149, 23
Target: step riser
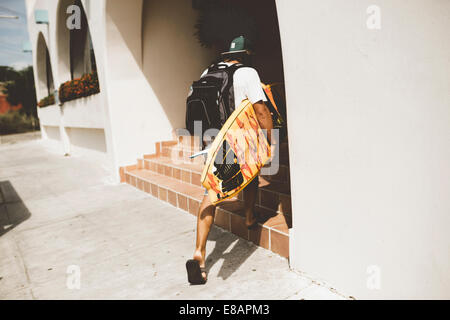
269, 199
266, 237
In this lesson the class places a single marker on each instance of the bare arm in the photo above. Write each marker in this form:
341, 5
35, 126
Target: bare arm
264, 118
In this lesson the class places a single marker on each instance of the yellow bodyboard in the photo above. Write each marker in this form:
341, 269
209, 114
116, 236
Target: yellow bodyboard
244, 150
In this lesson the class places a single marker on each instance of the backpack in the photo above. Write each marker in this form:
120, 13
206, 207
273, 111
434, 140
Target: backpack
212, 99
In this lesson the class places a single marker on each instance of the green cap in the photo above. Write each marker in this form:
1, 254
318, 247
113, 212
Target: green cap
239, 44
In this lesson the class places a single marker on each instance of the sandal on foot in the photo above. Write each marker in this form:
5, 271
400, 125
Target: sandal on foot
194, 272
253, 225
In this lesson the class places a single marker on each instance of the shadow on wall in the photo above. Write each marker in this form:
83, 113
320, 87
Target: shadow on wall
45, 83
88, 138
12, 209
52, 132
172, 58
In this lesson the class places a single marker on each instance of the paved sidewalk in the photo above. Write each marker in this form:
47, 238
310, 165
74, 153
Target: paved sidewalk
20, 137
57, 212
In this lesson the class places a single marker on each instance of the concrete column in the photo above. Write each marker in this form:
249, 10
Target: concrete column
368, 117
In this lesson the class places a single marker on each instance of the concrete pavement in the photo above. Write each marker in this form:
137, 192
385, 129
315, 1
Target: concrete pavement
19, 137
66, 233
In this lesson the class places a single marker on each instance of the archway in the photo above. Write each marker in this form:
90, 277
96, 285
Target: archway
45, 85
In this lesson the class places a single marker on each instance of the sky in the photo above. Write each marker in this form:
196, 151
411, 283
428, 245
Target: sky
13, 32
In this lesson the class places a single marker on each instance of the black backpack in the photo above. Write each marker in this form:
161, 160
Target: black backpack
212, 99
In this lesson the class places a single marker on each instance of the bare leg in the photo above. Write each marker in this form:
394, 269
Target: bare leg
250, 192
205, 219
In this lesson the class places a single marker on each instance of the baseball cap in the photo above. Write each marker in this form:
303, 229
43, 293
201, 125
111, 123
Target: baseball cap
238, 45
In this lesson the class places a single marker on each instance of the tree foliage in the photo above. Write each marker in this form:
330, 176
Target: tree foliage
8, 74
16, 122
220, 21
19, 88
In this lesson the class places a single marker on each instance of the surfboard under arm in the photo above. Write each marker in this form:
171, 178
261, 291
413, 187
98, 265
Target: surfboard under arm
244, 137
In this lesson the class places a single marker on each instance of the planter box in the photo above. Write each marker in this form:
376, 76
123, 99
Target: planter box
49, 115
86, 112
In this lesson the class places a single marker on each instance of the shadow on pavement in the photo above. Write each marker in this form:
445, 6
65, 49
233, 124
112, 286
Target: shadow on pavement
12, 209
233, 258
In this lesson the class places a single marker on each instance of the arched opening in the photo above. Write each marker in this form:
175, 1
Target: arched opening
75, 49
82, 57
45, 83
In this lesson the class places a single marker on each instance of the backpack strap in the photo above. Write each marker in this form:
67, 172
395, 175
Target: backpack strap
223, 66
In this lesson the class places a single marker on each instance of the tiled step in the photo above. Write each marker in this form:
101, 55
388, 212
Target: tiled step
271, 233
273, 195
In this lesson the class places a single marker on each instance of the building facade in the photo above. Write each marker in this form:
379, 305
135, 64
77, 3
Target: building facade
368, 113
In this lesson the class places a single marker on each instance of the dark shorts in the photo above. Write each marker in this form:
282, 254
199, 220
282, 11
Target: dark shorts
256, 178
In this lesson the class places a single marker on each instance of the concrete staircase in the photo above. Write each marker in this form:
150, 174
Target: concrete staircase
171, 176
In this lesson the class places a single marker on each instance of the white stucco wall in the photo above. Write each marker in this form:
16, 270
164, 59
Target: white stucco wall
51, 132
126, 108
87, 138
50, 115
172, 56
88, 113
368, 116
135, 119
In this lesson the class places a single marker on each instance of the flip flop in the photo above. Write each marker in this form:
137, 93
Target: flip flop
253, 226
194, 272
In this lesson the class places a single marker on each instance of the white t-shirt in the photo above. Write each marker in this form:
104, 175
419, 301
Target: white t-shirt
246, 85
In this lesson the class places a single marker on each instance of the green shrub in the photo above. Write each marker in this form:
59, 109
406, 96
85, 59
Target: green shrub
17, 122
47, 101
